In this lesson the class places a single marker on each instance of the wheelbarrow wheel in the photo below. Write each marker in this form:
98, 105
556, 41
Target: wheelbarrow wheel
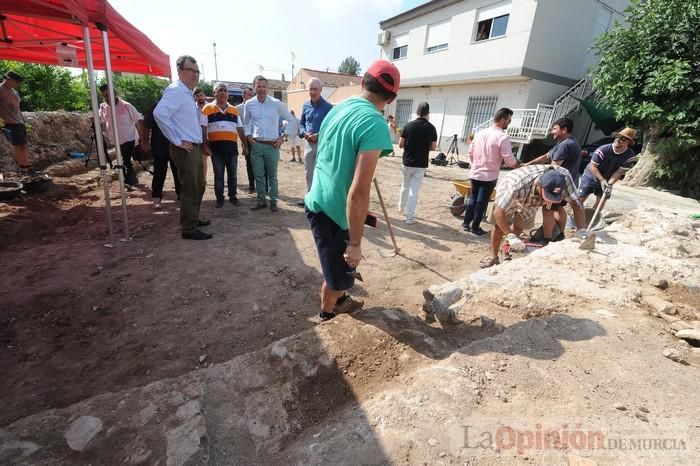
457, 206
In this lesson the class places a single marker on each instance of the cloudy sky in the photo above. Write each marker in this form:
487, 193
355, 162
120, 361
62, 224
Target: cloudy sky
262, 34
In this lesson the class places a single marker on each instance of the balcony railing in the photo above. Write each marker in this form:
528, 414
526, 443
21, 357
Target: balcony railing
534, 123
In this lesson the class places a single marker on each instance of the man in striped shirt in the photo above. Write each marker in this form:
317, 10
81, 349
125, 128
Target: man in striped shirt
224, 128
520, 194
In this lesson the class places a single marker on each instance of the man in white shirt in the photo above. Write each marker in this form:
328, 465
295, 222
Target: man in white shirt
129, 127
261, 116
178, 117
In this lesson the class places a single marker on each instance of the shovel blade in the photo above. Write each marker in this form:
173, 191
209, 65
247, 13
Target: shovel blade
589, 243
387, 252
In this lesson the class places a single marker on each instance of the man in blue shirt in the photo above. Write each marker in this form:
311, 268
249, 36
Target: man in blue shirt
312, 114
565, 153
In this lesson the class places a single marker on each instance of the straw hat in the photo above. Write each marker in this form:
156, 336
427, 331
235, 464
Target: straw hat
628, 133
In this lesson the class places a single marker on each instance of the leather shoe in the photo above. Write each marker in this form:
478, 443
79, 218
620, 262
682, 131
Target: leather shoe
196, 235
258, 207
219, 203
273, 207
203, 223
234, 201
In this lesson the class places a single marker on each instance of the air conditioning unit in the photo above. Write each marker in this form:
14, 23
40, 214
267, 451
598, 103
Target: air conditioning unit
383, 37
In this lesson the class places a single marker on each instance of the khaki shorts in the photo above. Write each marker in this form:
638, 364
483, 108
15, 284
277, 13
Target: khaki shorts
523, 221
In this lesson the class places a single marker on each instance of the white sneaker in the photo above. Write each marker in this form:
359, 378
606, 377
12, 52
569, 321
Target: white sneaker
410, 221
157, 203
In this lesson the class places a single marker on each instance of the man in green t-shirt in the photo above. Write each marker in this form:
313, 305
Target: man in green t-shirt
352, 138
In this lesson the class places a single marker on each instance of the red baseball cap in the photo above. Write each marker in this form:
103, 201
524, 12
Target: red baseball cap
380, 67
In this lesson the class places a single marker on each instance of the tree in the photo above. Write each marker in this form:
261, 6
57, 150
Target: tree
349, 66
46, 87
649, 74
140, 90
206, 87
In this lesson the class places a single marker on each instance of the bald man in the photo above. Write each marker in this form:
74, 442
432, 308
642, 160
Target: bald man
312, 114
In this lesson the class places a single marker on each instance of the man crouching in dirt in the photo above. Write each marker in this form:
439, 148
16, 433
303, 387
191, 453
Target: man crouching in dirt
518, 197
352, 138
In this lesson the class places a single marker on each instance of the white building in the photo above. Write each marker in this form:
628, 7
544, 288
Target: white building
467, 58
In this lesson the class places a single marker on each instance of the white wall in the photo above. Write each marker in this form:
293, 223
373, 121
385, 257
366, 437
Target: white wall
456, 98
463, 55
563, 32
551, 37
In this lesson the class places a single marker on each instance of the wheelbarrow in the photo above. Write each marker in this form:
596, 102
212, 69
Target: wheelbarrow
464, 190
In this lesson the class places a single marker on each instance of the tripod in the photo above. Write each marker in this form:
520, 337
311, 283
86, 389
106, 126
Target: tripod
453, 151
93, 143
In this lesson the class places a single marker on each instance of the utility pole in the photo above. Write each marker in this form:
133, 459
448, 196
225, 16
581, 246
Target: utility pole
216, 68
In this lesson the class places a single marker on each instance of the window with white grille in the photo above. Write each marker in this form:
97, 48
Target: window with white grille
479, 110
403, 112
438, 36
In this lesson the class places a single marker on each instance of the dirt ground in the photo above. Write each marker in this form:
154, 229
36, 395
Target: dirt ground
561, 336
80, 319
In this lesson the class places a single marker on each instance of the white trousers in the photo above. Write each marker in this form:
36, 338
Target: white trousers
410, 187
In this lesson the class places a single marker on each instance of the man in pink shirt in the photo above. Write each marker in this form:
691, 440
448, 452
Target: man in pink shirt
490, 147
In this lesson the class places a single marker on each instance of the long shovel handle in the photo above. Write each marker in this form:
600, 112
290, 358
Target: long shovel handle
386, 216
600, 206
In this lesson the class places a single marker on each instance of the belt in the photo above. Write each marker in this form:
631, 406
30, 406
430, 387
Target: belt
264, 141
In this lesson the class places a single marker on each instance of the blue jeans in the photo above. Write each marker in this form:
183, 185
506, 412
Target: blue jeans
224, 157
477, 203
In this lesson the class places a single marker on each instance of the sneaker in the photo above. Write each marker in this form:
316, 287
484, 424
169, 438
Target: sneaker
467, 229
479, 232
273, 207
219, 203
410, 221
259, 206
234, 201
346, 304
325, 316
196, 235
157, 203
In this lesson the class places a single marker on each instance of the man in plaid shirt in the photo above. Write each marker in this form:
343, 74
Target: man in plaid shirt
518, 197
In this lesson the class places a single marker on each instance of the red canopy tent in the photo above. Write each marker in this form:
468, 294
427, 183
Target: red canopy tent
51, 32
61, 32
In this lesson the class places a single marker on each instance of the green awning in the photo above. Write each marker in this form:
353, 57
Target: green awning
602, 116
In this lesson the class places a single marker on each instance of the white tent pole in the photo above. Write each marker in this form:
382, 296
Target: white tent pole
101, 156
112, 104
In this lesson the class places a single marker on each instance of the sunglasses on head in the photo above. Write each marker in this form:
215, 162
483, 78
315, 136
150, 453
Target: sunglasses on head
622, 138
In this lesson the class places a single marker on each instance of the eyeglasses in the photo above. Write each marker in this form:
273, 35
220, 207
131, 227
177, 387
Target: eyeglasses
195, 71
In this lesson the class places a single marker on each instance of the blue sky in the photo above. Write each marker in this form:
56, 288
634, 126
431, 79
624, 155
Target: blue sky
263, 33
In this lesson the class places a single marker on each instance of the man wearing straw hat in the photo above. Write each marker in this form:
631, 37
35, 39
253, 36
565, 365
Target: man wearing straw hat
608, 164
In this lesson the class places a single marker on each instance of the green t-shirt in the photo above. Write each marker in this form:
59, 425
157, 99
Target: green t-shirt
351, 127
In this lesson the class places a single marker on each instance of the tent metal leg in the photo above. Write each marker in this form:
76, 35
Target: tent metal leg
102, 157
112, 103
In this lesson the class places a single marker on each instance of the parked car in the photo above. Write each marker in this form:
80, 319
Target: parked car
588, 149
